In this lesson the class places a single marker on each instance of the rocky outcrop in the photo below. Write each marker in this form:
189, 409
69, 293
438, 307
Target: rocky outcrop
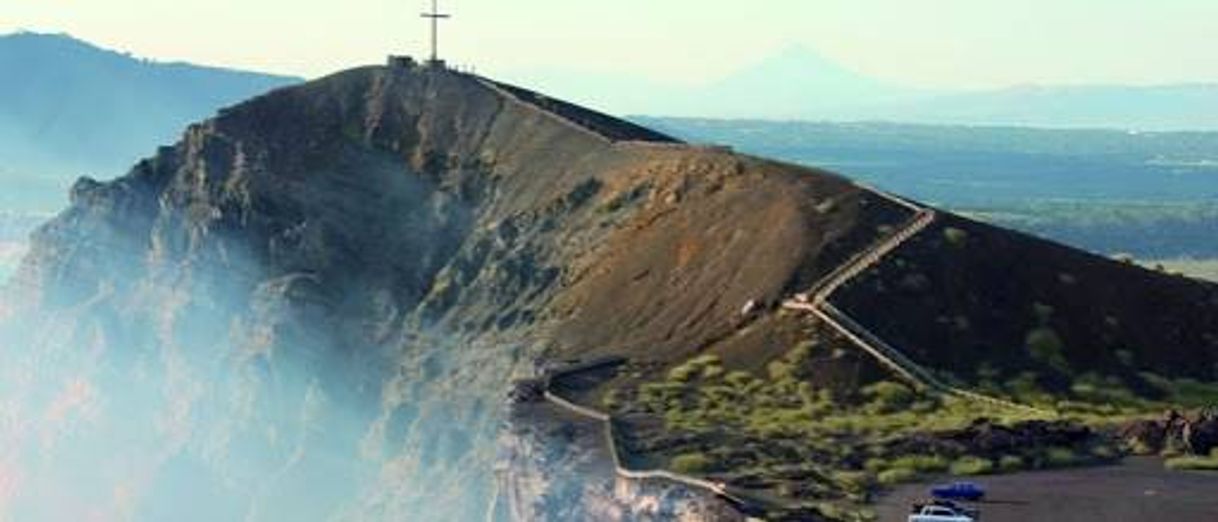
1193, 433
326, 289
542, 448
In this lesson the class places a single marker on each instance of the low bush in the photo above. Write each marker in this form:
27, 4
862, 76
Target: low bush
1026, 388
876, 465
779, 370
888, 396
896, 476
690, 463
970, 465
611, 401
1046, 346
693, 368
1105, 452
955, 237
854, 483
1057, 457
1009, 463
739, 379
921, 463
1194, 463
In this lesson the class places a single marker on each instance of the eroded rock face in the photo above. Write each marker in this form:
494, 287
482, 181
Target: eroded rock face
543, 449
1194, 433
310, 307
256, 318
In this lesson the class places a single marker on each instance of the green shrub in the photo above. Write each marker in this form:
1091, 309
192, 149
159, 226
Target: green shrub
1061, 457
611, 400
1025, 388
831, 511
955, 237
1046, 346
896, 476
921, 463
704, 366
683, 373
971, 465
852, 482
779, 370
876, 465
888, 396
1192, 463
690, 463
1104, 452
739, 379
801, 352
1009, 463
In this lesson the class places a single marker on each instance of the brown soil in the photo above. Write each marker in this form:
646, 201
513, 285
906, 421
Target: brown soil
960, 305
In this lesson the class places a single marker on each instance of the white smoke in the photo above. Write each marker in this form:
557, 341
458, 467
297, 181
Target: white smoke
182, 399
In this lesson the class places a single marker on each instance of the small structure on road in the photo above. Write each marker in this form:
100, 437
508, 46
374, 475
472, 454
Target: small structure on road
401, 62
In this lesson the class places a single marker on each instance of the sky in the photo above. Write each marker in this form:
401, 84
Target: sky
921, 43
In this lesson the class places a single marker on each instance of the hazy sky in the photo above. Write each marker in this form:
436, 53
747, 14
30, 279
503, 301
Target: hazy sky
939, 43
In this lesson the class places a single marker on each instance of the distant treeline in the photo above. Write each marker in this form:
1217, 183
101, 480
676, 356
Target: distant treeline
1152, 195
1183, 232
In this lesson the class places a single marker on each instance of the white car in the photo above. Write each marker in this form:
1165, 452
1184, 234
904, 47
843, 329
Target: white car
940, 514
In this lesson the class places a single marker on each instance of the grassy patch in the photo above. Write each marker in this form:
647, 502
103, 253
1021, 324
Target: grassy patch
971, 465
1194, 463
896, 476
774, 430
1062, 457
922, 463
691, 463
1009, 463
888, 397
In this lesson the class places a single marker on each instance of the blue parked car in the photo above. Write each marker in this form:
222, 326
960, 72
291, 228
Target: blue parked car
970, 491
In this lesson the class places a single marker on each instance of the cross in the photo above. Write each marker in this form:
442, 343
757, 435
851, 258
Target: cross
435, 15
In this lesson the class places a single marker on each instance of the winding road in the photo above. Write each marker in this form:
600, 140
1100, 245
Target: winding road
890, 357
815, 301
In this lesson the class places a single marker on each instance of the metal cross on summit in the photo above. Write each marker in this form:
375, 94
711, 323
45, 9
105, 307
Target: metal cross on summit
435, 15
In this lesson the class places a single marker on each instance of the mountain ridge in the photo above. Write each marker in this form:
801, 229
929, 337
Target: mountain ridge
68, 107
385, 248
796, 83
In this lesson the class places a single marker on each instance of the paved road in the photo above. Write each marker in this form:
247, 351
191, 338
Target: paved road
1139, 490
